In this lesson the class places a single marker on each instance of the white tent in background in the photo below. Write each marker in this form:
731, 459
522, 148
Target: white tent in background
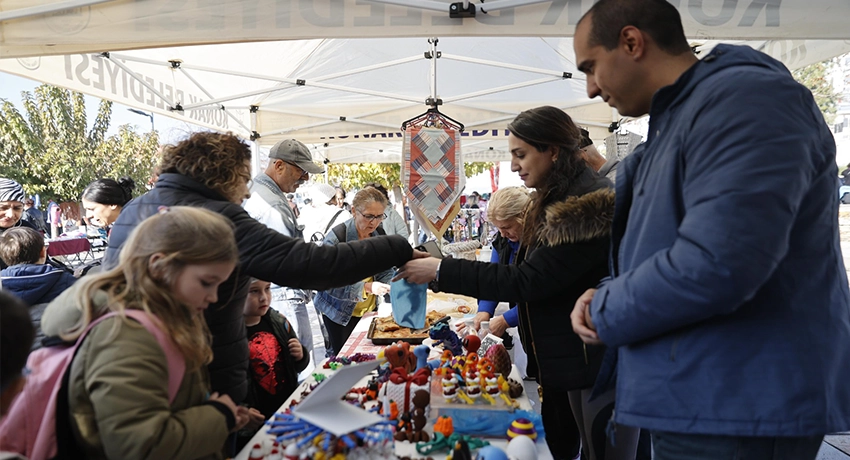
348, 94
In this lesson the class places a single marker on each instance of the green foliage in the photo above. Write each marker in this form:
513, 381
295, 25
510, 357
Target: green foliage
50, 151
817, 78
355, 176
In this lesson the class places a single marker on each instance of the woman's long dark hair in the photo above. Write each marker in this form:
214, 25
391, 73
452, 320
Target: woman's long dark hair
542, 128
109, 191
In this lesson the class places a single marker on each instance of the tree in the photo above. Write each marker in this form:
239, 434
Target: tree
352, 175
52, 152
817, 78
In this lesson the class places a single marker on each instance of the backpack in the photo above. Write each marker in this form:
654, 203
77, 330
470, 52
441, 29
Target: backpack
318, 237
30, 427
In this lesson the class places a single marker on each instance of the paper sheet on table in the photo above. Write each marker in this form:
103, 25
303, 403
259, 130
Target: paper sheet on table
325, 408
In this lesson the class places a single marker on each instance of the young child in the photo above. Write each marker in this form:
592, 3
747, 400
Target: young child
276, 354
118, 384
27, 275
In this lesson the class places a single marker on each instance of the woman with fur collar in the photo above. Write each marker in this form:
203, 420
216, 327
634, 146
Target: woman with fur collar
564, 250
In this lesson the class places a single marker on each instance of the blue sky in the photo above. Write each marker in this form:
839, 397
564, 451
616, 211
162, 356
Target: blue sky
170, 129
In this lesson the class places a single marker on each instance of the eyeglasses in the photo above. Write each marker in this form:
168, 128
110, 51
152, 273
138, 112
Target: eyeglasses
304, 172
372, 218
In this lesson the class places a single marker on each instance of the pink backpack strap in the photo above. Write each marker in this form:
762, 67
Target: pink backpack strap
176, 361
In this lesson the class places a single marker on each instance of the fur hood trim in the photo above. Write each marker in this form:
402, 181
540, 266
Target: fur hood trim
579, 218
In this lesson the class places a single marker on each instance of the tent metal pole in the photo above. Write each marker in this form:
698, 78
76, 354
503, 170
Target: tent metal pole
503, 4
420, 4
232, 97
433, 80
47, 9
504, 65
125, 57
255, 152
382, 65
147, 85
204, 90
500, 89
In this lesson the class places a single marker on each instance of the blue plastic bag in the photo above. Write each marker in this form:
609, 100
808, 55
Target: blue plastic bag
409, 303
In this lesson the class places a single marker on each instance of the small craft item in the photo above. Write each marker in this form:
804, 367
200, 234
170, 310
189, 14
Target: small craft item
491, 453
412, 426
443, 425
488, 341
421, 352
498, 355
447, 443
471, 343
401, 387
399, 355
522, 427
334, 362
442, 334
374, 441
522, 448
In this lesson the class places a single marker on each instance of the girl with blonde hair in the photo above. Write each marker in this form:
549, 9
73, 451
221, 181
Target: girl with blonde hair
117, 390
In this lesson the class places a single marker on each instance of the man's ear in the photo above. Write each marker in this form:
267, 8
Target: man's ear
632, 41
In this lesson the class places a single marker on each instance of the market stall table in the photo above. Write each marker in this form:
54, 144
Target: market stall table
73, 250
359, 343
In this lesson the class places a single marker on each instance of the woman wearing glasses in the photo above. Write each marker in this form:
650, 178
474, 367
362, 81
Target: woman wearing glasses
343, 307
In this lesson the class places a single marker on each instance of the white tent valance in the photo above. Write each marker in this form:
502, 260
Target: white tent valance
42, 27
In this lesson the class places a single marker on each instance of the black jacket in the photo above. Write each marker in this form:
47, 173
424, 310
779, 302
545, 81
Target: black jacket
283, 332
264, 254
546, 281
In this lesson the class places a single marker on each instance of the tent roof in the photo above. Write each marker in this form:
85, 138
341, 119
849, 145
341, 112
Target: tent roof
348, 96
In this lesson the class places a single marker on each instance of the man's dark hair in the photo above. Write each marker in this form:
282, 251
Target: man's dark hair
21, 245
658, 18
16, 336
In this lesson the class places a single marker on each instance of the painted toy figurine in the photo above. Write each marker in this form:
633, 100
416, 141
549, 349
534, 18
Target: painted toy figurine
450, 387
399, 355
442, 334
471, 343
421, 352
413, 423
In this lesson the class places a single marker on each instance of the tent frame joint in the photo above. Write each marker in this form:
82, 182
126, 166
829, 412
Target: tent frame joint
255, 135
300, 82
568, 75
254, 108
461, 10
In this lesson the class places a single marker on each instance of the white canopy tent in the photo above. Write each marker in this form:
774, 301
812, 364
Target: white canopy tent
348, 96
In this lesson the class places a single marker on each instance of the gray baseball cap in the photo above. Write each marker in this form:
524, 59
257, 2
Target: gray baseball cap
293, 151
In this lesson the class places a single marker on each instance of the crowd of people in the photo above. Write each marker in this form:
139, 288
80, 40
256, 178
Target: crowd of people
693, 293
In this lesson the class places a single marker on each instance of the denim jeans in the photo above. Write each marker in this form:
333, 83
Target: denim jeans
681, 446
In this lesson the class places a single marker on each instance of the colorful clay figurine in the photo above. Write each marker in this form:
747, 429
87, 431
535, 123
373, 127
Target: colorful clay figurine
413, 427
522, 427
471, 343
491, 453
421, 352
442, 334
460, 451
399, 355
522, 448
444, 425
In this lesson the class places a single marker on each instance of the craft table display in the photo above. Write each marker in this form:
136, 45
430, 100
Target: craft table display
358, 345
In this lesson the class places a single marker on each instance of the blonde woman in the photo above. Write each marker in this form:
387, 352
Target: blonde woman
505, 211
117, 392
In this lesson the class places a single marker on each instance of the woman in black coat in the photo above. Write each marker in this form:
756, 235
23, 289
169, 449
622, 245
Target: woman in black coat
563, 252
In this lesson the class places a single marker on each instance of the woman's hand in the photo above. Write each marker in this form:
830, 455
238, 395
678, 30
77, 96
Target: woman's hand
498, 325
295, 349
582, 321
419, 271
378, 288
476, 321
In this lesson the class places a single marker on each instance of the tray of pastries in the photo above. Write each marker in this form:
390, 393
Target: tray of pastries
385, 331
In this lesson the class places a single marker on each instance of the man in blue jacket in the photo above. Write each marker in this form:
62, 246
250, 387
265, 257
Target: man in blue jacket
728, 299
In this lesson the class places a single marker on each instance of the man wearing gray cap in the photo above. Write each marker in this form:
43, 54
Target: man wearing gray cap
290, 165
